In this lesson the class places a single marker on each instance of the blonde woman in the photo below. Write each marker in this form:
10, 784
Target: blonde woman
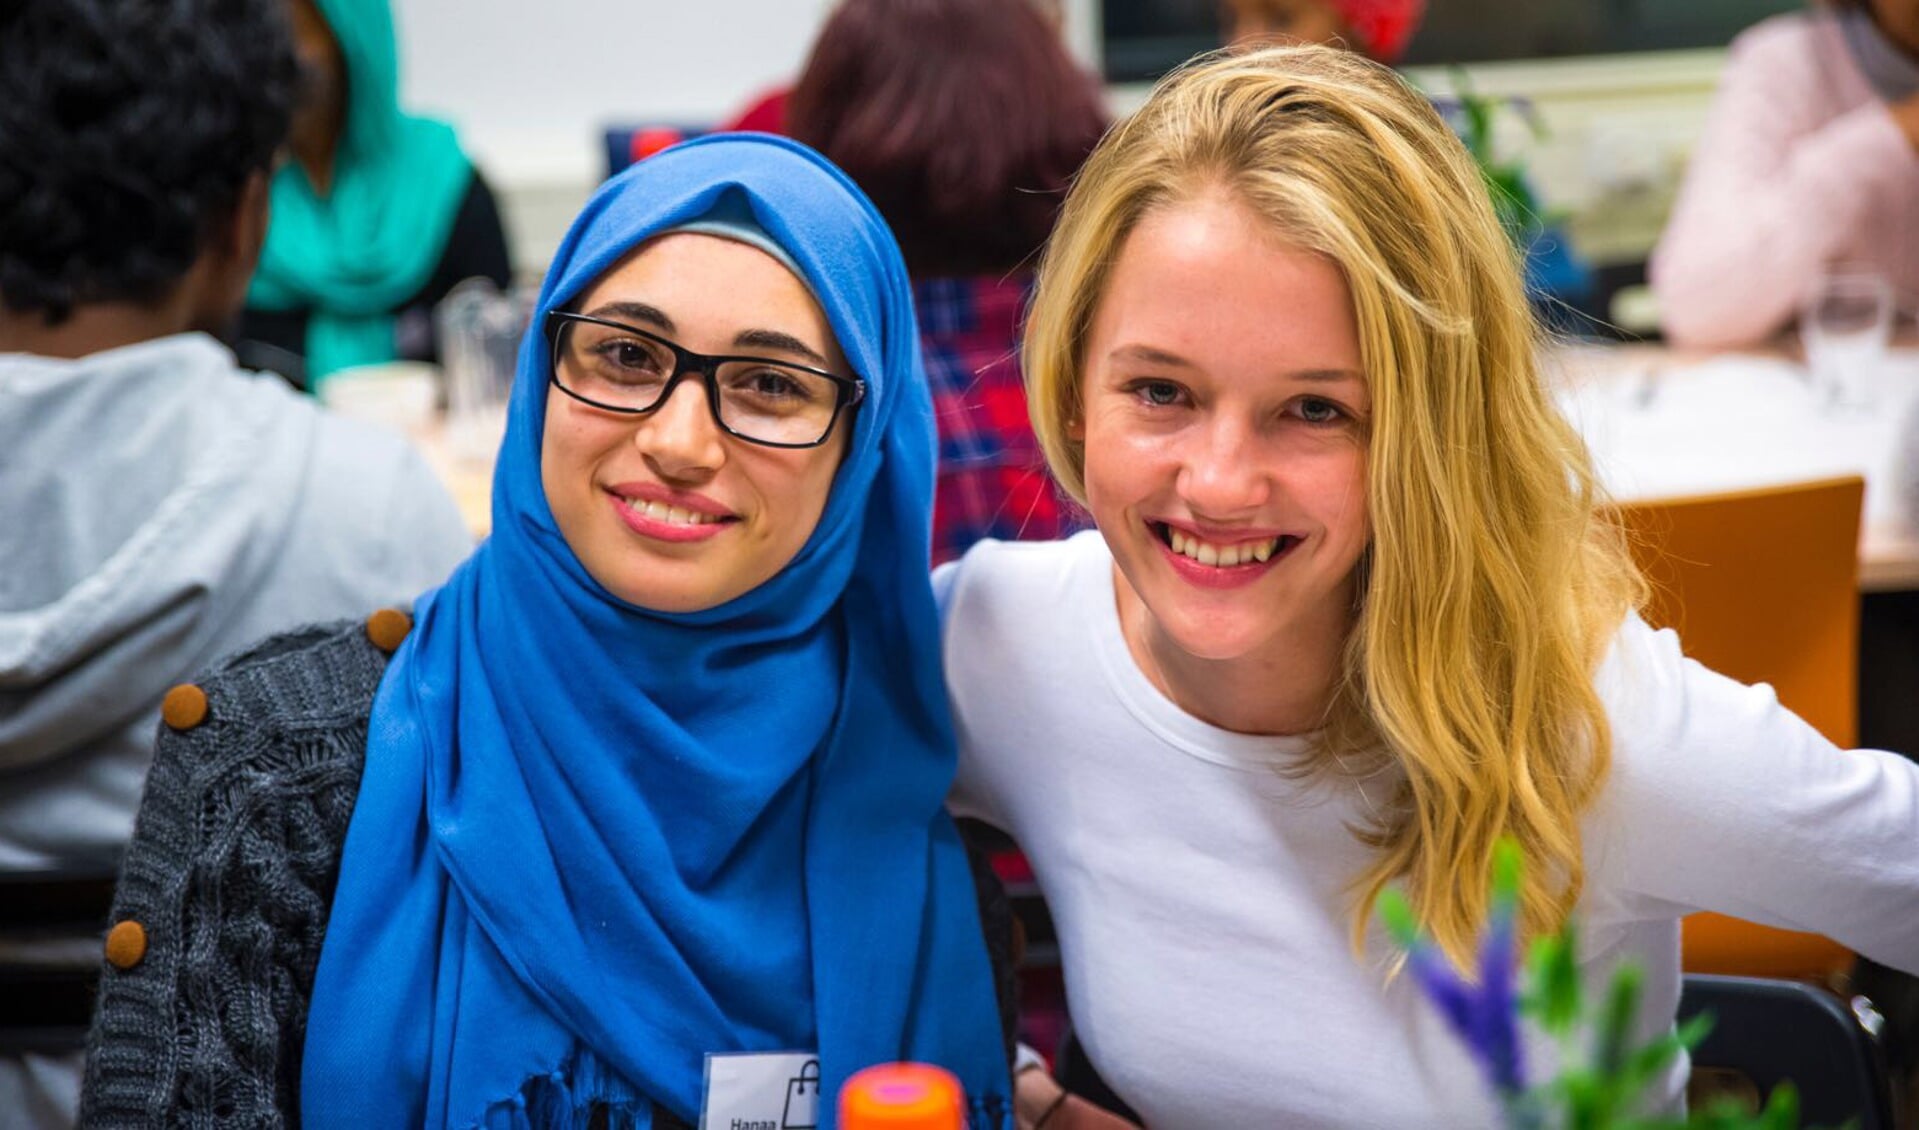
1352, 614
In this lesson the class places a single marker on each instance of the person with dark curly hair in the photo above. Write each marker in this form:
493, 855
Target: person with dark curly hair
376, 217
967, 151
163, 506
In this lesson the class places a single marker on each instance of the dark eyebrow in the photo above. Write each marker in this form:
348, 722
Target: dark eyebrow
774, 339
653, 316
634, 312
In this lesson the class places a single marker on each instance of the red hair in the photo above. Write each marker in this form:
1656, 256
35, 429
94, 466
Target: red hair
962, 119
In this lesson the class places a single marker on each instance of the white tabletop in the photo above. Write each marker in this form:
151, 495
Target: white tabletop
1664, 424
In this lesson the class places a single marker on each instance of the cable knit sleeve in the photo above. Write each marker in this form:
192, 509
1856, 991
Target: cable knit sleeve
1777, 188
224, 891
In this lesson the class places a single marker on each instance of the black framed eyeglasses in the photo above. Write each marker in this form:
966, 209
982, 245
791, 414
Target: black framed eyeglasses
620, 368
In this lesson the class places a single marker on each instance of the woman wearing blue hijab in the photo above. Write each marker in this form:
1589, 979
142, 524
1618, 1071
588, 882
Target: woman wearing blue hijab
653, 788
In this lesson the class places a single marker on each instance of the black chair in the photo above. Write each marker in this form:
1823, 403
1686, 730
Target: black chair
1769, 1032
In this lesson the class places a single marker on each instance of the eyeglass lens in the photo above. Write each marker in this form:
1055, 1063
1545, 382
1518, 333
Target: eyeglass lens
760, 400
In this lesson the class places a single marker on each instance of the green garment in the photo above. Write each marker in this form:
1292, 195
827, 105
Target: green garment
353, 256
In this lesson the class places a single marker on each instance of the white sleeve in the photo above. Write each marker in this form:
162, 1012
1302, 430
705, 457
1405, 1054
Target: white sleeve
1721, 799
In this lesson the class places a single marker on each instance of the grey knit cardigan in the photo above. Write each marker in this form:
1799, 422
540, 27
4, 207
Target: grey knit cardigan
223, 896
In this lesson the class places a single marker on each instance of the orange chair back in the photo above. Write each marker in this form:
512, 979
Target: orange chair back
1762, 586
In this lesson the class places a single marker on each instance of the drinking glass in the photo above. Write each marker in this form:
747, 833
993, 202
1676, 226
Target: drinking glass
480, 331
1846, 324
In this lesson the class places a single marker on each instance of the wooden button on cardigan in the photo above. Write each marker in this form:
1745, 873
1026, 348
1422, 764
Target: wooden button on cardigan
126, 944
387, 628
184, 707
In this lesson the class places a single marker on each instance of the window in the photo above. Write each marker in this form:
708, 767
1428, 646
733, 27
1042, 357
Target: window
1145, 38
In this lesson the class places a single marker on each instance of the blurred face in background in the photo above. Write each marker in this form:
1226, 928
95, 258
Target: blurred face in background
321, 109
1899, 19
1250, 23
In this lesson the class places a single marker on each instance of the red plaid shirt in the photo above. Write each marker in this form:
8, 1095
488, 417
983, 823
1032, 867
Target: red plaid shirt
993, 481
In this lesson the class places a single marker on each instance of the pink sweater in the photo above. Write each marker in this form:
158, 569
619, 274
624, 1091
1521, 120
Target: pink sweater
1800, 166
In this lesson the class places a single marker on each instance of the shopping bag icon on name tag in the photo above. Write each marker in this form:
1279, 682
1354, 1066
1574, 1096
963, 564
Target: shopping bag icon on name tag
803, 1099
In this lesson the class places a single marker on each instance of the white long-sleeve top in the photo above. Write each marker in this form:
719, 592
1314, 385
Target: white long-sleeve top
1800, 167
1201, 896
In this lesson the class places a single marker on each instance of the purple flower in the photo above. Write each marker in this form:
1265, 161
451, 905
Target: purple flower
1484, 1015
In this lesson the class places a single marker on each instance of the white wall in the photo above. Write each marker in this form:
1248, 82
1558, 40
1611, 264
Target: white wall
531, 85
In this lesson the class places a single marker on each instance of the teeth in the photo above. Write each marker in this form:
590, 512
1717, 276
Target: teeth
671, 515
1221, 556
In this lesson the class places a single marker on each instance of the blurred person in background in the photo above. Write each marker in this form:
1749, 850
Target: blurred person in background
1810, 158
767, 112
163, 506
1379, 29
967, 151
376, 214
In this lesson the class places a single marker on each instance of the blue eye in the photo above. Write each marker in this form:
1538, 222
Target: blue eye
1156, 393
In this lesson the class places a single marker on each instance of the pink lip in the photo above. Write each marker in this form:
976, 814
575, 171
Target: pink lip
1219, 535
684, 499
1212, 576
668, 531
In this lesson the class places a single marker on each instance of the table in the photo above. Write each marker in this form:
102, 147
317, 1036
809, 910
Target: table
1663, 423
468, 474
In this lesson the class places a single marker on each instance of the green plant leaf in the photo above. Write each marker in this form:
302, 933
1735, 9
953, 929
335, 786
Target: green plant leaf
1616, 1019
1782, 1108
1509, 870
1552, 994
1695, 1029
1393, 910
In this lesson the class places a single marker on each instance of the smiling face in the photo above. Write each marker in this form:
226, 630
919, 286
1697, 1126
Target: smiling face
665, 510
318, 116
1225, 424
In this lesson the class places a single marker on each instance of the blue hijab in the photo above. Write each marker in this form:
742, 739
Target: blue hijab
594, 842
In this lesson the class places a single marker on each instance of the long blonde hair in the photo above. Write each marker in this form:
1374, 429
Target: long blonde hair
1494, 580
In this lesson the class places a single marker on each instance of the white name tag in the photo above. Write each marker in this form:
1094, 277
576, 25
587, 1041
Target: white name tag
761, 1091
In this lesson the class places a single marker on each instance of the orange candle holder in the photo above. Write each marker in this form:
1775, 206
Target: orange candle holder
903, 1096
